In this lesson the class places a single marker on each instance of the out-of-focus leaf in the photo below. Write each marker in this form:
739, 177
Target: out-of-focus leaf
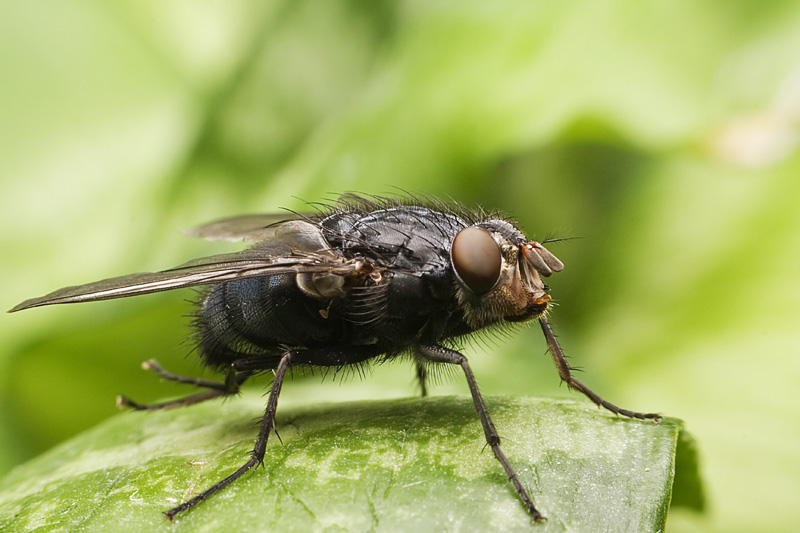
414, 464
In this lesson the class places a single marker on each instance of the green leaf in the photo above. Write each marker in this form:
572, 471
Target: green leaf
411, 465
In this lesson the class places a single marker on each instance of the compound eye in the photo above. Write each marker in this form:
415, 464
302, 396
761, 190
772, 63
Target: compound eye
477, 259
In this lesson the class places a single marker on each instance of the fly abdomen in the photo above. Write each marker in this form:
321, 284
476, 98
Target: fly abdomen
260, 316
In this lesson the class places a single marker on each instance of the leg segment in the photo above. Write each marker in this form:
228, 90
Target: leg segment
440, 354
215, 389
257, 455
422, 378
564, 371
153, 365
337, 357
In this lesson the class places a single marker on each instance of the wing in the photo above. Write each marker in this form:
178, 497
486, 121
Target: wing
295, 246
248, 228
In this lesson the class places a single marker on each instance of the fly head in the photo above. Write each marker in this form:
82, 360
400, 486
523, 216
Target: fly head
499, 273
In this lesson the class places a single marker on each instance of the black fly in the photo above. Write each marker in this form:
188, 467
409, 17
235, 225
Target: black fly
368, 278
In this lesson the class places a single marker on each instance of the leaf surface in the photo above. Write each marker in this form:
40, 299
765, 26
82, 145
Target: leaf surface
410, 464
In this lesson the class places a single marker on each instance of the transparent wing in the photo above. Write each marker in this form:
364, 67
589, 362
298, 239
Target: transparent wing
295, 246
248, 228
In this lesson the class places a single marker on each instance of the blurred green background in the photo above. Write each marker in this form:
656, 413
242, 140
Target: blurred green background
663, 135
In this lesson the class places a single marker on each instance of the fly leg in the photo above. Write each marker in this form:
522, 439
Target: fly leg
257, 455
422, 378
564, 371
233, 381
441, 354
338, 357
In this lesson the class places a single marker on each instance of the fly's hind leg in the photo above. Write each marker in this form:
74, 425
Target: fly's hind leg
215, 389
334, 357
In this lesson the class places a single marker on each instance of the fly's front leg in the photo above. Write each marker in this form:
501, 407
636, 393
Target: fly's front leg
233, 380
440, 354
565, 372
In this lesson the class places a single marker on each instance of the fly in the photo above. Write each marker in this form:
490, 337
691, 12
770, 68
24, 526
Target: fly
365, 278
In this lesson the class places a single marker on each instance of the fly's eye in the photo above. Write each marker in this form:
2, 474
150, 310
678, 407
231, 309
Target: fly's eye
476, 258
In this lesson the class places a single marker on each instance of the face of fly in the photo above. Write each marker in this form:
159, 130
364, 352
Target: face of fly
500, 273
